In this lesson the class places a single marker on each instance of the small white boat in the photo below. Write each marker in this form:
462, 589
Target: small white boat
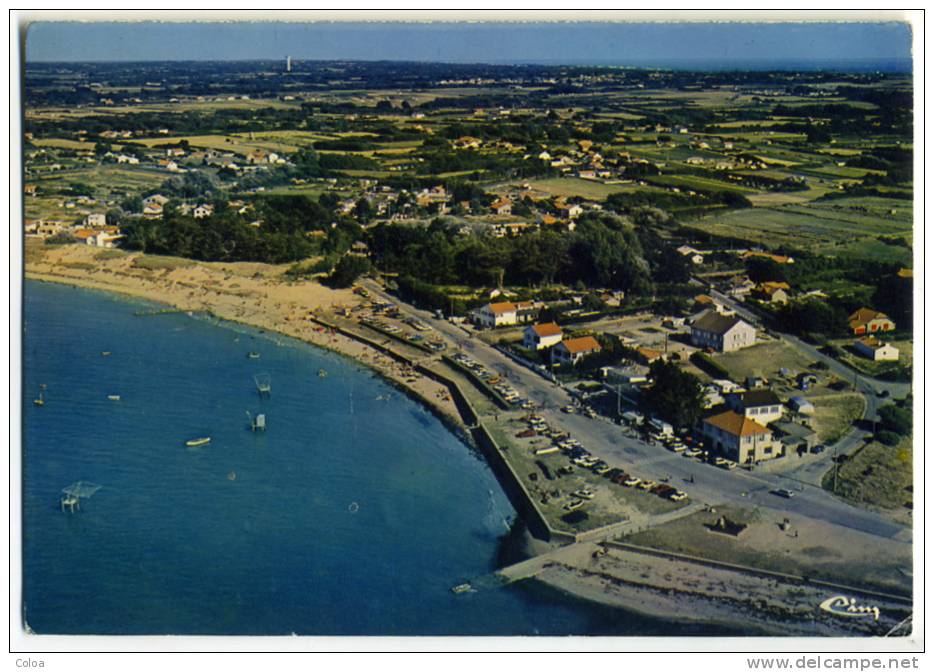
461, 588
113, 397
192, 443
322, 373
105, 353
253, 355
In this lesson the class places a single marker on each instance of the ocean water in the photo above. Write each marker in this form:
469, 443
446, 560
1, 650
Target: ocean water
354, 513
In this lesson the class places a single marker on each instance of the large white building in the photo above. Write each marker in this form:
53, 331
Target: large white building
723, 333
505, 313
541, 336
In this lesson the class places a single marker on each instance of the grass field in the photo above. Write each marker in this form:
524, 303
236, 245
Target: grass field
62, 143
762, 359
877, 475
818, 227
695, 182
572, 186
834, 415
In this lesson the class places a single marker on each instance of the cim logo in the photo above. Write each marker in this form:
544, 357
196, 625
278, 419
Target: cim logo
840, 605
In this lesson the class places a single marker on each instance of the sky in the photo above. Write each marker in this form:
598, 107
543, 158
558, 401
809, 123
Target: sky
715, 45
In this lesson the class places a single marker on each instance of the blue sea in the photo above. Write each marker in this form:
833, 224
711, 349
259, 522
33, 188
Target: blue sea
353, 514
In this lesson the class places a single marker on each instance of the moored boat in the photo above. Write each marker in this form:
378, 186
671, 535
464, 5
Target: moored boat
191, 443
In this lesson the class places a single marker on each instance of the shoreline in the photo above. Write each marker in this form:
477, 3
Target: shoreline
259, 297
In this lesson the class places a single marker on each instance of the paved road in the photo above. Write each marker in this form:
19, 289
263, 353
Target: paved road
609, 441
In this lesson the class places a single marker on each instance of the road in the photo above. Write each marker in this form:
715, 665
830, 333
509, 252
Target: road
704, 482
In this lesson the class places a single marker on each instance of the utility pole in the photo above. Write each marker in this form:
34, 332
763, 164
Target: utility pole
836, 467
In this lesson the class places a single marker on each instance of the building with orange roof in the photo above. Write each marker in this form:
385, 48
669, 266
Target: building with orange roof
541, 336
502, 206
868, 321
739, 438
574, 350
505, 313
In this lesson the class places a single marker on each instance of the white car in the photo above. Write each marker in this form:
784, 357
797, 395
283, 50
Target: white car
678, 496
574, 504
632, 481
583, 493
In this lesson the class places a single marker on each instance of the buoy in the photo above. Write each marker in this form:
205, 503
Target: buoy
232, 476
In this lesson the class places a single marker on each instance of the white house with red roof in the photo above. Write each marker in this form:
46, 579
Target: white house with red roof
541, 336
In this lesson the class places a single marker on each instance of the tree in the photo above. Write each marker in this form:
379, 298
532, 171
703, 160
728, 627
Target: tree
896, 419
363, 210
675, 395
348, 269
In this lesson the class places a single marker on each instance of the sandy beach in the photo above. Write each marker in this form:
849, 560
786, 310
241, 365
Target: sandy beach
259, 295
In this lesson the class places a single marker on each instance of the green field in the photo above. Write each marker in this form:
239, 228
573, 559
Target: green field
762, 359
829, 227
695, 182
572, 186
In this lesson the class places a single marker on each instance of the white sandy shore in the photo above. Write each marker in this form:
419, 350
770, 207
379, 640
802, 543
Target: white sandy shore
255, 294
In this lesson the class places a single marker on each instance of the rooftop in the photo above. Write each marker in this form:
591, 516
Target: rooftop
736, 424
582, 344
716, 323
547, 329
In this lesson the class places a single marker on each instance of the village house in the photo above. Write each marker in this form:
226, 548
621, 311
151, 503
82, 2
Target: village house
502, 230
170, 166
126, 158
258, 156
175, 151
867, 321
106, 237
505, 313
740, 439
541, 336
724, 333
574, 350
763, 406
773, 292
501, 206
95, 220
739, 286
203, 210
650, 354
30, 189
570, 211
152, 205
467, 142
707, 301
876, 350
696, 256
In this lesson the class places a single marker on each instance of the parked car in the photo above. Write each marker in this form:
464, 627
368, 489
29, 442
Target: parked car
783, 492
